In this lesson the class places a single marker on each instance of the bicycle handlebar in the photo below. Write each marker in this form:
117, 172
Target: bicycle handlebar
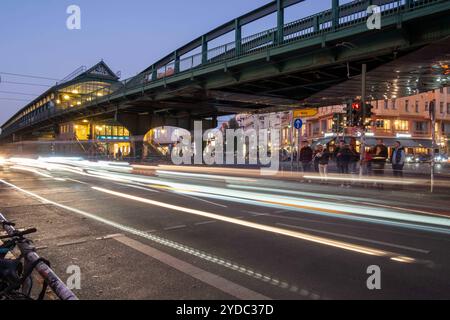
19, 234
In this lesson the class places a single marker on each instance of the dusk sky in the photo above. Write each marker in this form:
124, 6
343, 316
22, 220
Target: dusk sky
128, 35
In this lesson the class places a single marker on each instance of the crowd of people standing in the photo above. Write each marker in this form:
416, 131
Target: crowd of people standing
348, 160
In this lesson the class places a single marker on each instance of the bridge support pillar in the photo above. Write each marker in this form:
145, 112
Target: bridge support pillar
280, 21
335, 14
238, 36
138, 125
204, 50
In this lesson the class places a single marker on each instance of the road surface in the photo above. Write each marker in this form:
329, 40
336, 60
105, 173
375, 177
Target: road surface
169, 234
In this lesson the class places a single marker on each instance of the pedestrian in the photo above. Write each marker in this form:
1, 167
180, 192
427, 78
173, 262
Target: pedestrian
380, 157
398, 160
119, 154
355, 157
343, 156
322, 157
367, 162
317, 150
306, 156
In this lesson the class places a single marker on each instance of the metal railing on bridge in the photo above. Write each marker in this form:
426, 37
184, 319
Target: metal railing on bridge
347, 16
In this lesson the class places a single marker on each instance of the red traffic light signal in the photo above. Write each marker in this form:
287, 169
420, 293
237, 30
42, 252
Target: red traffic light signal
356, 106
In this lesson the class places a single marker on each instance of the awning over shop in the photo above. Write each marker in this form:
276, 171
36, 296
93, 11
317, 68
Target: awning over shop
424, 143
323, 141
407, 143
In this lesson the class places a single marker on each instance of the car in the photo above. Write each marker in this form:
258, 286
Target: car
423, 158
410, 158
441, 158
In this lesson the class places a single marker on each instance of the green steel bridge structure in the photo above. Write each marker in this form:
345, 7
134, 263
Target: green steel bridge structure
309, 62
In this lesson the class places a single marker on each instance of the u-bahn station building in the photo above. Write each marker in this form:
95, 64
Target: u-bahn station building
82, 137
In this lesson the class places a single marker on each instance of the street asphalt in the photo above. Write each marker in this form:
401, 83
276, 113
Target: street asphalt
175, 235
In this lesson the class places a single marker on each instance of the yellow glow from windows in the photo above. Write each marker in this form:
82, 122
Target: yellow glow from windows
99, 94
66, 97
75, 91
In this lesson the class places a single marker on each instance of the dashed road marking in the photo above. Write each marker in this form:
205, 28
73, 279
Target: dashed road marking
213, 280
175, 227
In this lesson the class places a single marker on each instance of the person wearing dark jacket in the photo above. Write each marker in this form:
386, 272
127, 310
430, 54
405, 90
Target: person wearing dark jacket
398, 160
322, 157
343, 157
355, 157
306, 156
379, 158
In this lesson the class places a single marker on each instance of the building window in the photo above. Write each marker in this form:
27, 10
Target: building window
426, 106
407, 105
324, 125
394, 104
441, 90
441, 108
386, 104
421, 126
401, 125
383, 124
448, 108
316, 128
417, 107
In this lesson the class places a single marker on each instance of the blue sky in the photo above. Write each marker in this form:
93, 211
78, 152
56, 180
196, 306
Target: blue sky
128, 35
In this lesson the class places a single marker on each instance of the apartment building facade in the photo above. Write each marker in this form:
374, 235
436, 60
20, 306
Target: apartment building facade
405, 119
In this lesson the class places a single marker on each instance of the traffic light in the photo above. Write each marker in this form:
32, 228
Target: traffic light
354, 114
368, 113
357, 113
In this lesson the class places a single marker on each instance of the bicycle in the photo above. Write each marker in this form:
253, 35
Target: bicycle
16, 282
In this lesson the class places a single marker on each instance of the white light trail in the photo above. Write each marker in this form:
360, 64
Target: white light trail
290, 233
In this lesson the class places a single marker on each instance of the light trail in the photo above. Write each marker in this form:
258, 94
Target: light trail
170, 244
280, 231
301, 204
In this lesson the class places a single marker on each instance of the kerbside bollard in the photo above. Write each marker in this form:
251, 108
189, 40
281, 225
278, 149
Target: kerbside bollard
29, 253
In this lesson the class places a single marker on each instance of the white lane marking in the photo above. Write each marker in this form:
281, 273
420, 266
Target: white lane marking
137, 187
175, 227
254, 213
213, 280
356, 238
110, 236
71, 243
206, 201
77, 181
168, 243
289, 233
204, 222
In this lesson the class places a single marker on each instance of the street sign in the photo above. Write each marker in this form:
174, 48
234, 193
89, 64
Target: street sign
305, 113
298, 124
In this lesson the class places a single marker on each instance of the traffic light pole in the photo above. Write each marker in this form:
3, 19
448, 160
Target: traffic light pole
363, 134
432, 109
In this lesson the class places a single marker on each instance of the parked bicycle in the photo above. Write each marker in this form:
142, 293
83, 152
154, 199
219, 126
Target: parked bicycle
16, 282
